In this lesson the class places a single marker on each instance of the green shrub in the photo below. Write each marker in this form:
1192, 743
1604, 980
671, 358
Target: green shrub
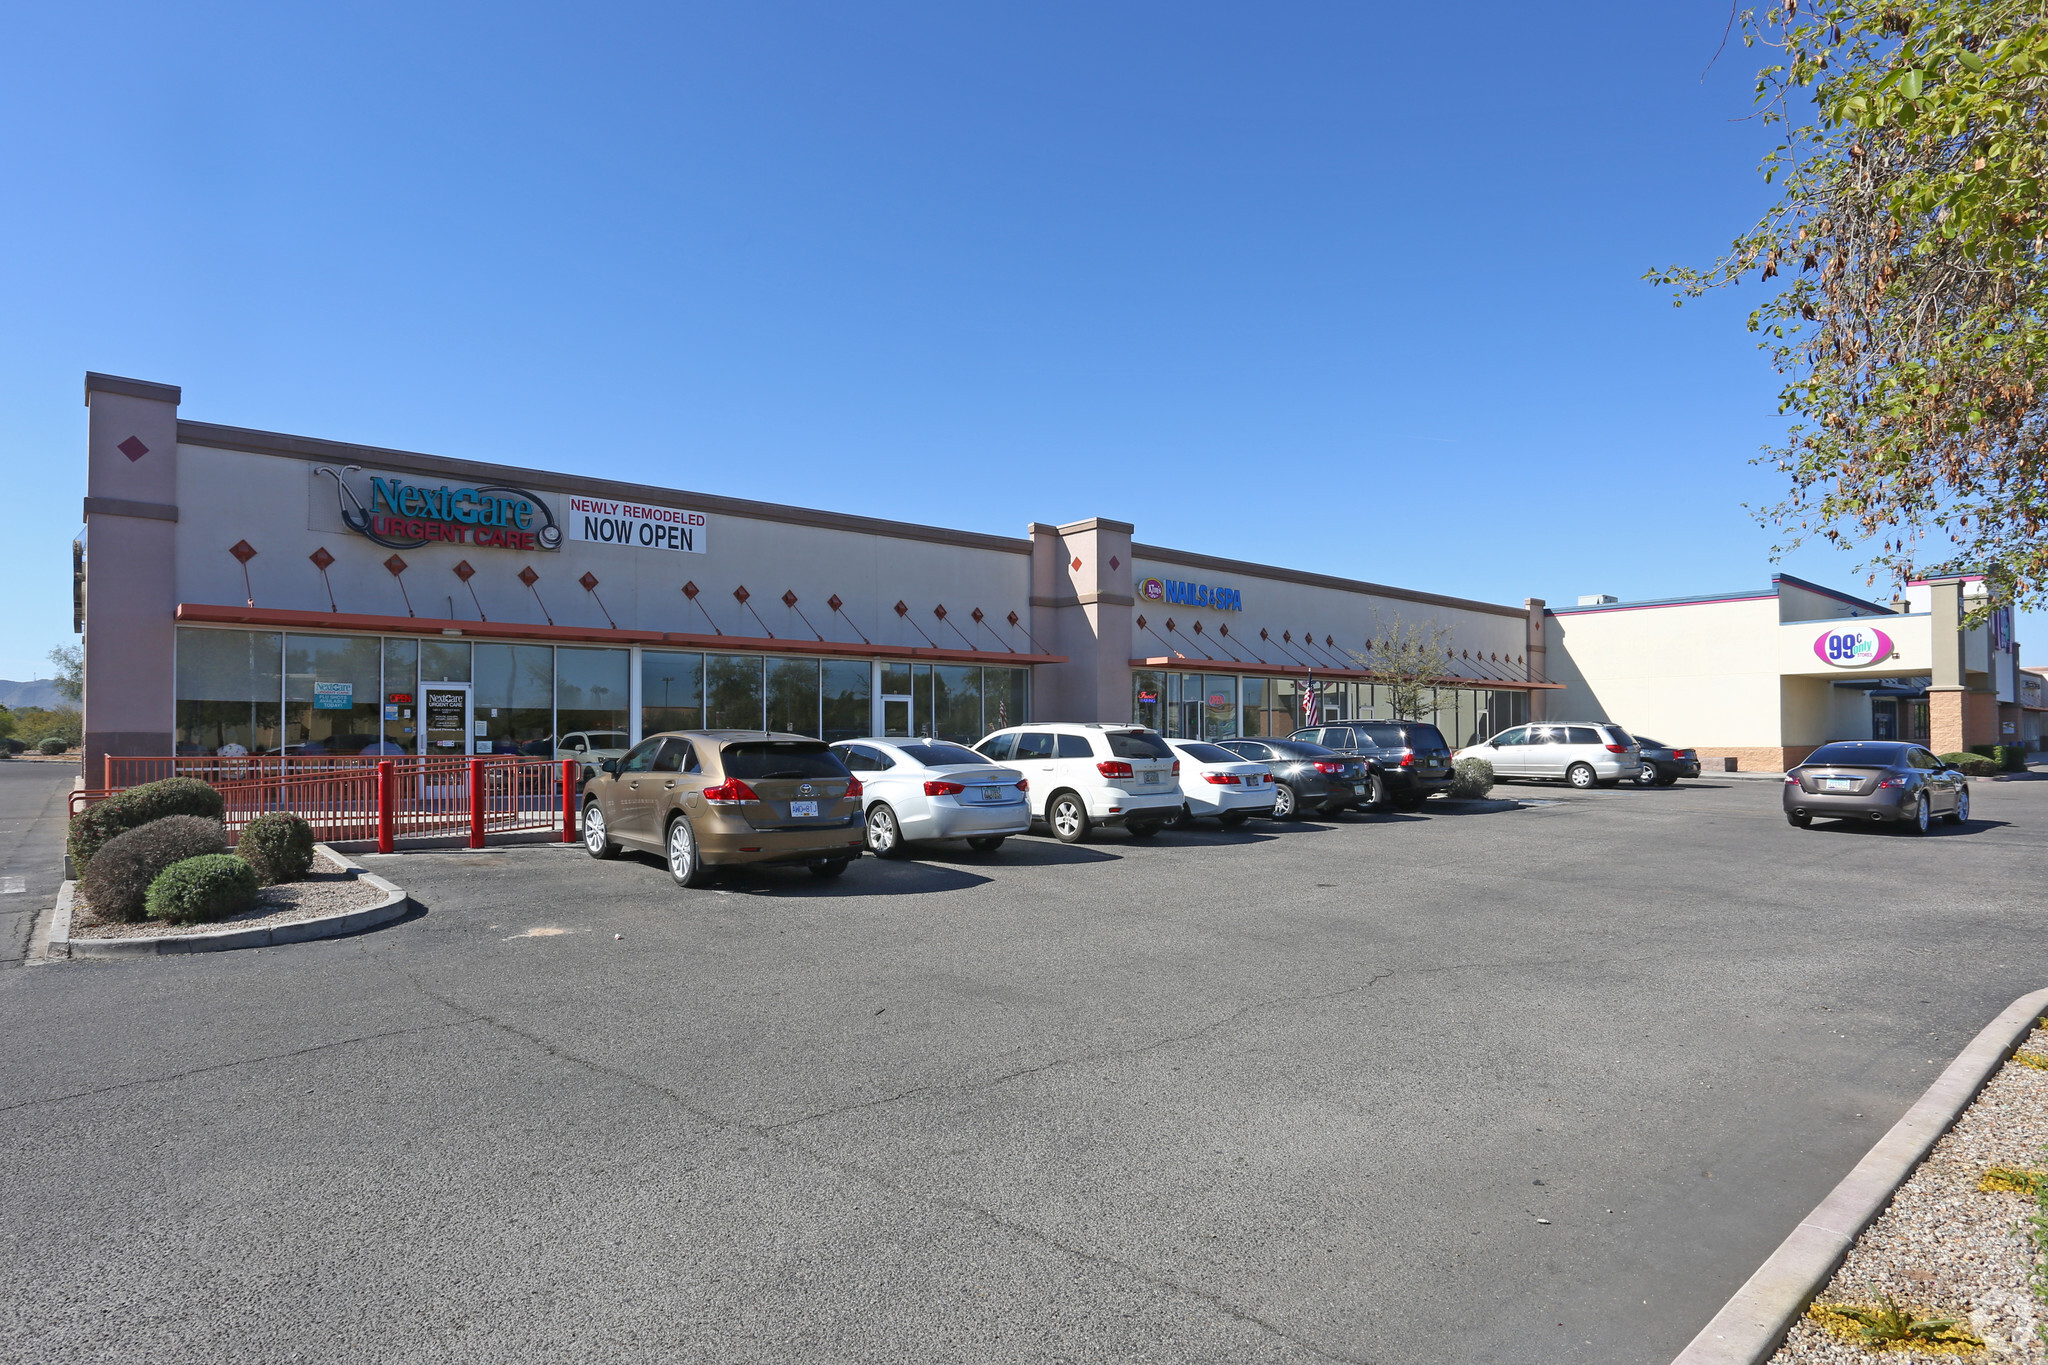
16, 746
116, 884
279, 847
1976, 765
52, 747
123, 811
1471, 779
200, 889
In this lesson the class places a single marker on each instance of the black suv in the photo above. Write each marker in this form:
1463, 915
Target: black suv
1410, 756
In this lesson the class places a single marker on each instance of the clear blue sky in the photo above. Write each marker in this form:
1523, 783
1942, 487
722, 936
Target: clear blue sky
1339, 287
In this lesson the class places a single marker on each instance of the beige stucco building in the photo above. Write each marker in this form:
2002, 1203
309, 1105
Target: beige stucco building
1765, 677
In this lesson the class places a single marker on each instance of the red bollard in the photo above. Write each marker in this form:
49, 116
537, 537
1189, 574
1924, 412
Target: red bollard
385, 800
568, 800
476, 803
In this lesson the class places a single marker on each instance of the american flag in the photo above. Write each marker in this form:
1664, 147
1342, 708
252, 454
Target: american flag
1311, 704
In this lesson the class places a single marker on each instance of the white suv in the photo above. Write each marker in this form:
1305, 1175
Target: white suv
1094, 774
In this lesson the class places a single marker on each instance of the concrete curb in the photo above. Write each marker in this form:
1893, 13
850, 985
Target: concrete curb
393, 906
1750, 1327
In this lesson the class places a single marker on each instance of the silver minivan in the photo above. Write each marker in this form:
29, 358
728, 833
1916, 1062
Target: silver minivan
1592, 755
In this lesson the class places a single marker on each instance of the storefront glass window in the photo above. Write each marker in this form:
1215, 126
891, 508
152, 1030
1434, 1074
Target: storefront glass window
921, 687
591, 695
229, 686
956, 704
845, 686
512, 701
1005, 697
671, 692
1148, 698
1254, 706
733, 692
444, 661
1219, 708
401, 696
331, 698
793, 696
1284, 703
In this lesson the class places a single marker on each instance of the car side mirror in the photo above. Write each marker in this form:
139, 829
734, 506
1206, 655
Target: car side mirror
610, 766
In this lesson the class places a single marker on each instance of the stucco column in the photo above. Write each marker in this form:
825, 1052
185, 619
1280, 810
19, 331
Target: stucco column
1534, 651
131, 580
1081, 591
1946, 728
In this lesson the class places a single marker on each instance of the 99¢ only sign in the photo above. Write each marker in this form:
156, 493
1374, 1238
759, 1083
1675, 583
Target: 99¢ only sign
602, 521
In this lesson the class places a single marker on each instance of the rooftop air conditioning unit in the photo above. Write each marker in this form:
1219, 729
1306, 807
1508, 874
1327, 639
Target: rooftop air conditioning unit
1598, 599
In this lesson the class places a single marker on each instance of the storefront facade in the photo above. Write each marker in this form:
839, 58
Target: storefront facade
246, 591
1767, 676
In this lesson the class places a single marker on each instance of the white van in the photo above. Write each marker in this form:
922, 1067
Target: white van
1586, 756
1094, 774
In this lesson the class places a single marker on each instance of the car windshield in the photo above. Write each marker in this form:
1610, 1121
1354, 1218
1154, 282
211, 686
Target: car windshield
1301, 748
781, 758
1209, 753
1857, 756
1137, 744
941, 755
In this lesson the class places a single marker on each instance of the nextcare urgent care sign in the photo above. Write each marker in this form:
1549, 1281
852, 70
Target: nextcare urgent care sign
406, 516
608, 522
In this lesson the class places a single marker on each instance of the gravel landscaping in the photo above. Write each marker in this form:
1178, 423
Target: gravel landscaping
329, 889
1947, 1248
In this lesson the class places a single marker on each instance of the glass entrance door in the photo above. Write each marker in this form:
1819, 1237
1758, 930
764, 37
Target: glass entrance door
896, 717
448, 725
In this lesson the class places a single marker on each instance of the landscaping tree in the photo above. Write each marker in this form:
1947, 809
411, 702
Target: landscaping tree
1911, 314
70, 679
1407, 660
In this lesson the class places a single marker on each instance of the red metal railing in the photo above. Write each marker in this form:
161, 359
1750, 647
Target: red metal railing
373, 797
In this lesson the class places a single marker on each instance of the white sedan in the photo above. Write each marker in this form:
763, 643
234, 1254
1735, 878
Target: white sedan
929, 789
1217, 783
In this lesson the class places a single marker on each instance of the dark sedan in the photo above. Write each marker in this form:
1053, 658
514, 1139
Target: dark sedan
1664, 765
1876, 781
1411, 758
1309, 779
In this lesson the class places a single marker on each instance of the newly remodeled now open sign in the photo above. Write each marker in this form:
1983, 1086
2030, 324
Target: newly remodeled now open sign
606, 521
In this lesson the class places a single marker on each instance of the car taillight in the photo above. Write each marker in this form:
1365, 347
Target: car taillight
731, 792
1176, 767
1894, 782
1323, 765
853, 789
1023, 784
940, 787
1223, 779
1110, 767
1791, 779
1617, 749
1407, 760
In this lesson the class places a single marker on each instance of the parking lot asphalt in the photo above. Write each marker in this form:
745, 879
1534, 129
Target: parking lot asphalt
1300, 1093
32, 812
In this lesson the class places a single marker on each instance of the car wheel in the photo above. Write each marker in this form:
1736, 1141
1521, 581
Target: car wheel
830, 868
1582, 776
1798, 821
1068, 818
1182, 818
1143, 829
1961, 814
1668, 780
1646, 776
685, 863
597, 837
985, 843
885, 836
1375, 793
1923, 816
1286, 805
1231, 819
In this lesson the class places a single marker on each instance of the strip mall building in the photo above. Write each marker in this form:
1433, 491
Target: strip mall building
249, 592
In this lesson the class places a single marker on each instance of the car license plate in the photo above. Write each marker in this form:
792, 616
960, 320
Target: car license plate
799, 810
1151, 779
1358, 789
991, 793
1839, 784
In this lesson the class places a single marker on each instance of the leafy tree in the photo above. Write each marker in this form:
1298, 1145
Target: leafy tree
6, 722
1407, 660
1911, 314
70, 679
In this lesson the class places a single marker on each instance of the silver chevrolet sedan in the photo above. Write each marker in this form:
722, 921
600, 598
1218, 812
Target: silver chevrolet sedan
929, 789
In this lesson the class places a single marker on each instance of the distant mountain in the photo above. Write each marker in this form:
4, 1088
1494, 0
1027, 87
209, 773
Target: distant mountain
42, 692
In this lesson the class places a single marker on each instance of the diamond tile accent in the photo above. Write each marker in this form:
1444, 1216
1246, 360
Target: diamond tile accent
321, 559
396, 565
1141, 623
463, 570
242, 550
740, 594
1114, 564
1169, 623
901, 609
589, 581
975, 616
788, 597
1013, 618
834, 602
528, 576
690, 591
1077, 561
1198, 627
133, 449
940, 611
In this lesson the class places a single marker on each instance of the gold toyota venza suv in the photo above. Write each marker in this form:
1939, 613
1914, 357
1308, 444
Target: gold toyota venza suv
711, 798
